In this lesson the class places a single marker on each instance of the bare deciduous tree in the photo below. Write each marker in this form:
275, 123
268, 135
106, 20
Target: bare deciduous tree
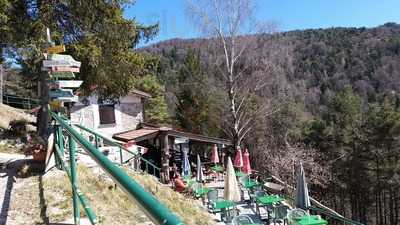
235, 34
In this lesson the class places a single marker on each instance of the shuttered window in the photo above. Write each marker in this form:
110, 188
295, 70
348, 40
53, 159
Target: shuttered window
107, 114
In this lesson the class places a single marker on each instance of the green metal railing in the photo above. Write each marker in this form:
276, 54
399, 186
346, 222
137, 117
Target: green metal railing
21, 102
155, 210
338, 219
149, 166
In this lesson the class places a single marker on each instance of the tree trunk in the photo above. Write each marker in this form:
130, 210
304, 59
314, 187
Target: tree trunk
43, 114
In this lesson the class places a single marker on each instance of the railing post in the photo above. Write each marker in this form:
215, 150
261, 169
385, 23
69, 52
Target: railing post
60, 142
96, 141
72, 161
120, 155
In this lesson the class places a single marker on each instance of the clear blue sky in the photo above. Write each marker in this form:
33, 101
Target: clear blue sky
289, 14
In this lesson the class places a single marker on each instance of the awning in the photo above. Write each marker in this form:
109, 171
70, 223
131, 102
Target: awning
150, 132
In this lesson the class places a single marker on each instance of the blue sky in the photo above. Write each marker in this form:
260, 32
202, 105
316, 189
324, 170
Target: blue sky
289, 14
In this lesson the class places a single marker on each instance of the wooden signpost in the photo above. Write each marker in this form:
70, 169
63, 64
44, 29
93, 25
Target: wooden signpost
62, 69
75, 98
62, 75
56, 49
60, 93
57, 60
54, 63
69, 83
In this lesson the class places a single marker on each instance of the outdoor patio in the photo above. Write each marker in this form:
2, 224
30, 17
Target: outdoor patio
233, 195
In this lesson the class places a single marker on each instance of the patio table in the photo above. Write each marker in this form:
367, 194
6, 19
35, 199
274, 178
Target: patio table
223, 204
202, 191
311, 220
217, 168
240, 174
189, 182
250, 184
267, 200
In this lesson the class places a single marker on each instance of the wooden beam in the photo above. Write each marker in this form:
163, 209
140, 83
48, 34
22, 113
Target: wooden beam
165, 154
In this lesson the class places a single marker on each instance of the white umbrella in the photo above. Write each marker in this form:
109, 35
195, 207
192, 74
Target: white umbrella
302, 197
185, 164
199, 173
231, 189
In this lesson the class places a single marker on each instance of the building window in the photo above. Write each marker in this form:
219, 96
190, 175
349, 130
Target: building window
107, 114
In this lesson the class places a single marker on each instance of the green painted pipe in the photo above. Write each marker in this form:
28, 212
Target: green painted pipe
118, 145
74, 179
341, 219
155, 210
89, 212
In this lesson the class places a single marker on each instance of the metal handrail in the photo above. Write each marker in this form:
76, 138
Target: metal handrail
317, 209
81, 196
12, 99
333, 216
155, 210
121, 147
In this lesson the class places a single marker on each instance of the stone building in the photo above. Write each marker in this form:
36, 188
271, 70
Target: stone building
108, 117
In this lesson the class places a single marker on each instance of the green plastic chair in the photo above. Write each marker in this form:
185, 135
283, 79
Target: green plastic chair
212, 197
195, 187
256, 194
281, 212
294, 214
242, 220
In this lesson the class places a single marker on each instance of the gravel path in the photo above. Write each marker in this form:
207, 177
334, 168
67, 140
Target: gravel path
8, 170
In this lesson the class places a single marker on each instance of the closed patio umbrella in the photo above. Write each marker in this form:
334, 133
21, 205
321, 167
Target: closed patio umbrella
214, 154
246, 162
185, 164
302, 197
238, 158
199, 173
231, 188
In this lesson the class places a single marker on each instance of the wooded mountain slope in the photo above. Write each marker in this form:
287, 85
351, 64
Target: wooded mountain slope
334, 105
323, 61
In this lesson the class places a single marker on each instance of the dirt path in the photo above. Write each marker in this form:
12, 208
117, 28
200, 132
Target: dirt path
9, 163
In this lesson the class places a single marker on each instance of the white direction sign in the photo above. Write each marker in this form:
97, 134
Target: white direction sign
62, 69
75, 98
57, 60
52, 63
61, 93
69, 83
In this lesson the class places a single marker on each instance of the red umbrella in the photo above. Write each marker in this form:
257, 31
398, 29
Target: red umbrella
246, 162
238, 158
214, 154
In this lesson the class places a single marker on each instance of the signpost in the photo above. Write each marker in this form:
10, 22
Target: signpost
62, 69
53, 63
69, 83
59, 93
62, 75
75, 98
56, 49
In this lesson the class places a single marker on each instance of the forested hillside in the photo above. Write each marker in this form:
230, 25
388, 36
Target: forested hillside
333, 96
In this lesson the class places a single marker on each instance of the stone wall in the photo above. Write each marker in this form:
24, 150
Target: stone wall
131, 115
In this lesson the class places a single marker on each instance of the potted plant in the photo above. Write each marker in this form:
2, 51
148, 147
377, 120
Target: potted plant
37, 150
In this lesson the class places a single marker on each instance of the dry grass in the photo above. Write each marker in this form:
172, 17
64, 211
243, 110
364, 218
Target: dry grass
186, 208
8, 113
7, 148
111, 205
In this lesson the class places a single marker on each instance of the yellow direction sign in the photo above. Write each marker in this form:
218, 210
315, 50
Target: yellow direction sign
56, 49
